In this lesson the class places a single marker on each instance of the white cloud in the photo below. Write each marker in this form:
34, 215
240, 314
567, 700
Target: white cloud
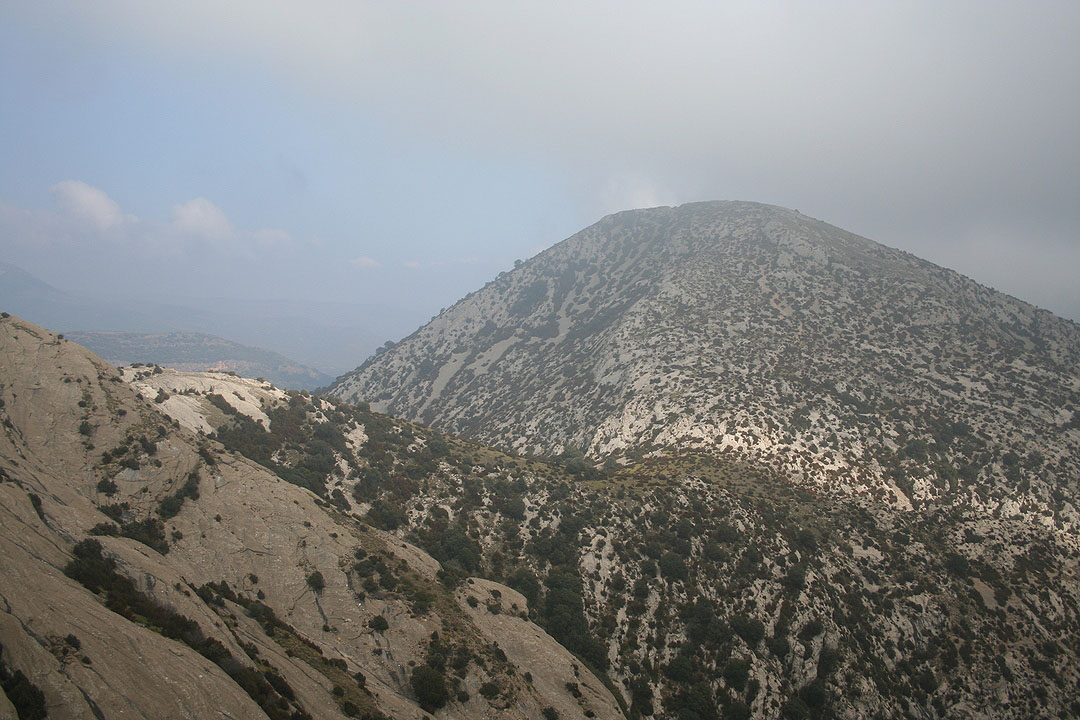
413, 264
87, 204
365, 262
631, 191
86, 215
203, 219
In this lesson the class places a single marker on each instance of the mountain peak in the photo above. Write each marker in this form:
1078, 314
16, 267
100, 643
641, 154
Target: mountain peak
751, 329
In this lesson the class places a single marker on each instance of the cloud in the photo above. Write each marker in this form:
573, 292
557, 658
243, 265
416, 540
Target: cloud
200, 218
87, 204
364, 262
631, 190
89, 230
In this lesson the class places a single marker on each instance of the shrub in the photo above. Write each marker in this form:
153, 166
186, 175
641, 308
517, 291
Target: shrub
737, 672
490, 690
680, 669
814, 695
430, 688
170, 506
737, 710
150, 532
27, 698
957, 564
812, 629
749, 629
673, 566
778, 645
378, 624
794, 709
316, 582
386, 516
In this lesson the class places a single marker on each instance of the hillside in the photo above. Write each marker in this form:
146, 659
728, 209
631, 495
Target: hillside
199, 351
699, 585
149, 572
765, 335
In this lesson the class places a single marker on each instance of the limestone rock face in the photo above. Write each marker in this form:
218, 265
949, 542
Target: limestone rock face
261, 565
756, 331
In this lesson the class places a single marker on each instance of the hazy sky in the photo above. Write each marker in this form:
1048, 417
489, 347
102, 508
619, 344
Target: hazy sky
404, 153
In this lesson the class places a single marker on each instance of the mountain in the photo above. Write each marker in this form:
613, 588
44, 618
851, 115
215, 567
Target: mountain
200, 544
760, 333
199, 351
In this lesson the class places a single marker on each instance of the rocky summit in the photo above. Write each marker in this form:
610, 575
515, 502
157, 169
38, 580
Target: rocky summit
761, 333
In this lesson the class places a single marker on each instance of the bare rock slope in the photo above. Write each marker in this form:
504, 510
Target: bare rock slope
148, 572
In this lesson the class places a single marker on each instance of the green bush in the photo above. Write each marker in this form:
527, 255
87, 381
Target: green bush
170, 506
673, 566
956, 564
429, 685
736, 673
749, 629
386, 516
150, 532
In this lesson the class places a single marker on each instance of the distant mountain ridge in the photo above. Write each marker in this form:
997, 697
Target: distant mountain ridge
755, 330
200, 351
324, 335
